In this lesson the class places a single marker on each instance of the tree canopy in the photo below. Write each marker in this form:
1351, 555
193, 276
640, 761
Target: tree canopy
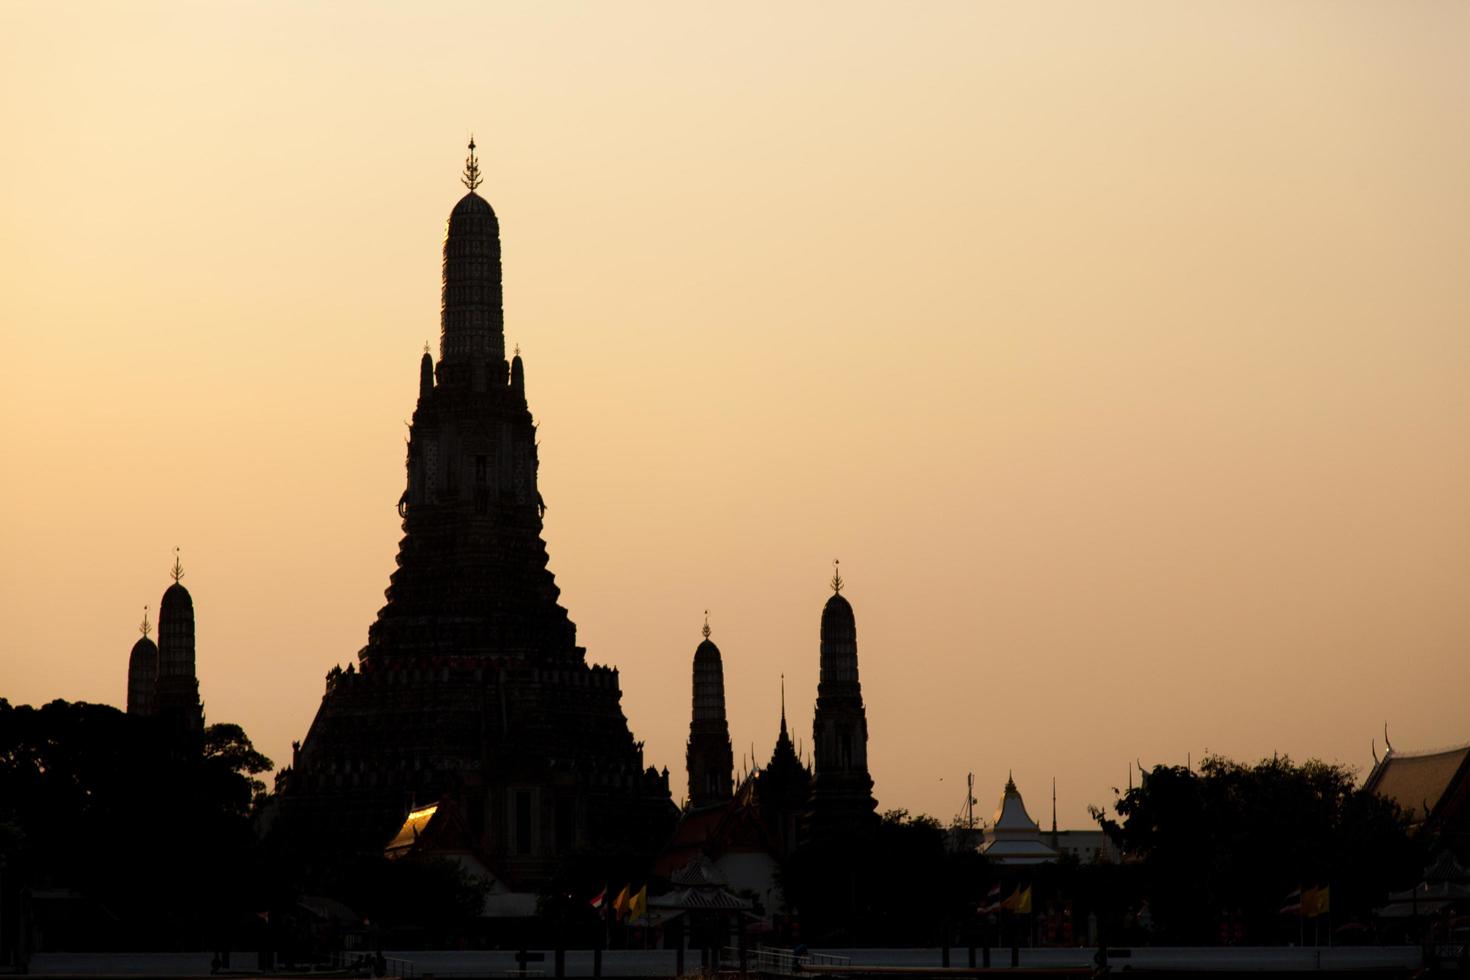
1231, 839
904, 886
143, 828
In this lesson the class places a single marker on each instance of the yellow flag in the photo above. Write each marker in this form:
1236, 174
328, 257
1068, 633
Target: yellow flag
638, 905
1315, 902
1023, 904
1008, 904
620, 904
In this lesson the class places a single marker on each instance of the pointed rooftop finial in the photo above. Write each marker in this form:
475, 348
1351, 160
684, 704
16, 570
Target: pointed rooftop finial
836, 582
705, 631
784, 735
518, 351
178, 570
145, 627
471, 177
426, 347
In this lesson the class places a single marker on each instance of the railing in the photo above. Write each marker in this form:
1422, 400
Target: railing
781, 962
371, 964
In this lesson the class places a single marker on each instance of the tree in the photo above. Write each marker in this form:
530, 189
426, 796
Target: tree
1235, 839
148, 823
903, 886
227, 746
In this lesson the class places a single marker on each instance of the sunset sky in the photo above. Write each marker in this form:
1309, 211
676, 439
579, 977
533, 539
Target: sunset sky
1121, 352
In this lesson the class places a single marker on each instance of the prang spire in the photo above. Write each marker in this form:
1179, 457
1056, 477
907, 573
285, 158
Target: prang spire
710, 757
472, 318
842, 790
142, 671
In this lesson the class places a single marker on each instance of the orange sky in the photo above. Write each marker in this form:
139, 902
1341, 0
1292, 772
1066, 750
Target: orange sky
1120, 351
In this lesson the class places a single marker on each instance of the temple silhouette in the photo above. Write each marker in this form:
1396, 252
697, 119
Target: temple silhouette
471, 707
162, 680
472, 689
739, 833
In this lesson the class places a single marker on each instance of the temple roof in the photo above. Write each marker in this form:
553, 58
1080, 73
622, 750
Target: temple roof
1018, 851
1418, 781
700, 898
1014, 838
414, 827
435, 829
699, 872
1010, 813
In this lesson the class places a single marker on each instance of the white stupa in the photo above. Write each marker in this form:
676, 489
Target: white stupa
1013, 837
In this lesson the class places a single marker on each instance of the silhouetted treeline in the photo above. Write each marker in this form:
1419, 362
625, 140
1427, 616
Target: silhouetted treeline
124, 832
904, 886
1209, 855
1215, 853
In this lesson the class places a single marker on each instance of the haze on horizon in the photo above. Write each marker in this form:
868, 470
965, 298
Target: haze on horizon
1119, 352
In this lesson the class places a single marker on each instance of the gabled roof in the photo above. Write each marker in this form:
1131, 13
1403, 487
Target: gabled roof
413, 828
1419, 781
716, 830
700, 898
437, 828
701, 872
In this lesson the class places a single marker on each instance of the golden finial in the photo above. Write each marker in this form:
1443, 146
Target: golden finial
705, 631
471, 178
178, 570
426, 347
518, 350
145, 627
836, 582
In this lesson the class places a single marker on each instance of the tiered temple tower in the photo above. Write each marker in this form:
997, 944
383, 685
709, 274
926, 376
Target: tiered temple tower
471, 684
842, 801
176, 694
710, 758
142, 671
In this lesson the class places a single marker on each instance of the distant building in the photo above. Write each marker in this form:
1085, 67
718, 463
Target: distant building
747, 834
1433, 788
1087, 846
142, 672
842, 804
1013, 837
709, 757
162, 680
